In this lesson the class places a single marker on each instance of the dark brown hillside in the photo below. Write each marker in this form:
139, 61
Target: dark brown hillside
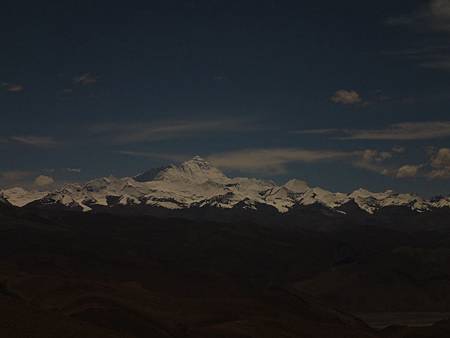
143, 276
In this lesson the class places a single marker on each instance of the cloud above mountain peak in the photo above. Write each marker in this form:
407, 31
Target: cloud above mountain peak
272, 160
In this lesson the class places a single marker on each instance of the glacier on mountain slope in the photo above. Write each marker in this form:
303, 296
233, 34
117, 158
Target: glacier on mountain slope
196, 183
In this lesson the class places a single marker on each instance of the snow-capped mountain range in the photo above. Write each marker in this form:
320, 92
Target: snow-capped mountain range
196, 183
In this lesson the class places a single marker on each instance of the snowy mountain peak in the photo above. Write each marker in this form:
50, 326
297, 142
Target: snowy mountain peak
361, 192
197, 162
198, 159
197, 170
21, 197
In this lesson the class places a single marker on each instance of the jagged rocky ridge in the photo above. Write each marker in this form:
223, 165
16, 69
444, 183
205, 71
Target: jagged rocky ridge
197, 184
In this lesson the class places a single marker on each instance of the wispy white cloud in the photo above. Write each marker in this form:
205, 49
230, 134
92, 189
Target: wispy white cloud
73, 170
123, 133
325, 131
14, 175
272, 160
36, 141
275, 161
153, 155
435, 57
400, 132
432, 16
404, 131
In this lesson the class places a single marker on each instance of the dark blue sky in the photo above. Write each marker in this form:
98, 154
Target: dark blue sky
341, 94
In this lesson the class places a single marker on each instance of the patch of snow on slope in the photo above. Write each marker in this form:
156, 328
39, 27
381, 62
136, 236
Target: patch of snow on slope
20, 197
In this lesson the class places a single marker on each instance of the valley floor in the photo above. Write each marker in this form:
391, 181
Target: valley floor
78, 275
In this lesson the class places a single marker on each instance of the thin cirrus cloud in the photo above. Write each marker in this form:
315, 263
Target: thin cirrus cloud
123, 133
35, 141
260, 160
272, 160
406, 131
275, 161
14, 175
153, 155
433, 16
436, 57
73, 170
